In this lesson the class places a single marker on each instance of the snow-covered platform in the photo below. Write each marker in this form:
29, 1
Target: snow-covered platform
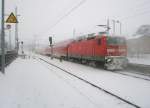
31, 84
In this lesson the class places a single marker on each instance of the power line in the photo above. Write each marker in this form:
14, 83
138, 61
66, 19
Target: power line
68, 13
83, 1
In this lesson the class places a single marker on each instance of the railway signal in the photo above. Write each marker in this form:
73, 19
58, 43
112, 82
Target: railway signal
50, 40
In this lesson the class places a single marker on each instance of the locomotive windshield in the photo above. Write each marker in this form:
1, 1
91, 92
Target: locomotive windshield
116, 41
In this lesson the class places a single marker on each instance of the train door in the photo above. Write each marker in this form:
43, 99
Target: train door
93, 47
97, 47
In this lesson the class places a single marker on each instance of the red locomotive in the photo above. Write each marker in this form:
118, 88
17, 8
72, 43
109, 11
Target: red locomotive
110, 51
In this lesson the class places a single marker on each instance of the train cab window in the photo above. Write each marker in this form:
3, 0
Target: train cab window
99, 41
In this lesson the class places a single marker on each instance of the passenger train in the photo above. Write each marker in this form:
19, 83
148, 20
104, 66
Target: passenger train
107, 51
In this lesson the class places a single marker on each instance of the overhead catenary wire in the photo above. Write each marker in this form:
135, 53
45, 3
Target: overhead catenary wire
82, 2
67, 14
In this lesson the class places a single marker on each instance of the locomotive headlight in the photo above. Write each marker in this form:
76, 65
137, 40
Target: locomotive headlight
108, 60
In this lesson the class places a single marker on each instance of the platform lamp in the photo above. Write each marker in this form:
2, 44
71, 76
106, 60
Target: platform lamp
22, 47
120, 26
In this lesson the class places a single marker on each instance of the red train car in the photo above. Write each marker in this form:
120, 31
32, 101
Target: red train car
60, 50
110, 51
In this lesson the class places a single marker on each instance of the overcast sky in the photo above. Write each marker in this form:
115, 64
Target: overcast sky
41, 18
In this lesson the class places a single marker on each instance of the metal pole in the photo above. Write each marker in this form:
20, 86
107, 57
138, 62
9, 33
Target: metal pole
34, 41
22, 52
74, 33
51, 51
113, 26
108, 27
120, 24
16, 32
10, 39
120, 28
3, 39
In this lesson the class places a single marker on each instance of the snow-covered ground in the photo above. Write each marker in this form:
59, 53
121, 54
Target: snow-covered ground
29, 83
132, 89
140, 59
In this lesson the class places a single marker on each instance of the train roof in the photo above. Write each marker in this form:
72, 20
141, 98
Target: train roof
84, 37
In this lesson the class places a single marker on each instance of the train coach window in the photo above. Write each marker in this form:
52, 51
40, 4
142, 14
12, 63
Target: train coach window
99, 41
116, 41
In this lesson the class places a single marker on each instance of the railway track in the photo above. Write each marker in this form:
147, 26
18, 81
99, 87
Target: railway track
145, 69
139, 73
131, 72
134, 75
93, 85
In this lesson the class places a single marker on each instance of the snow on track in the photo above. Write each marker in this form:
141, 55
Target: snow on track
132, 89
131, 74
29, 84
93, 85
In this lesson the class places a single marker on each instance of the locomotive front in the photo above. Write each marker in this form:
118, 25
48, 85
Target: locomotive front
116, 52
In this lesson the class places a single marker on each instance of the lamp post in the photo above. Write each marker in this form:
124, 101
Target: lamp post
114, 26
22, 51
120, 26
